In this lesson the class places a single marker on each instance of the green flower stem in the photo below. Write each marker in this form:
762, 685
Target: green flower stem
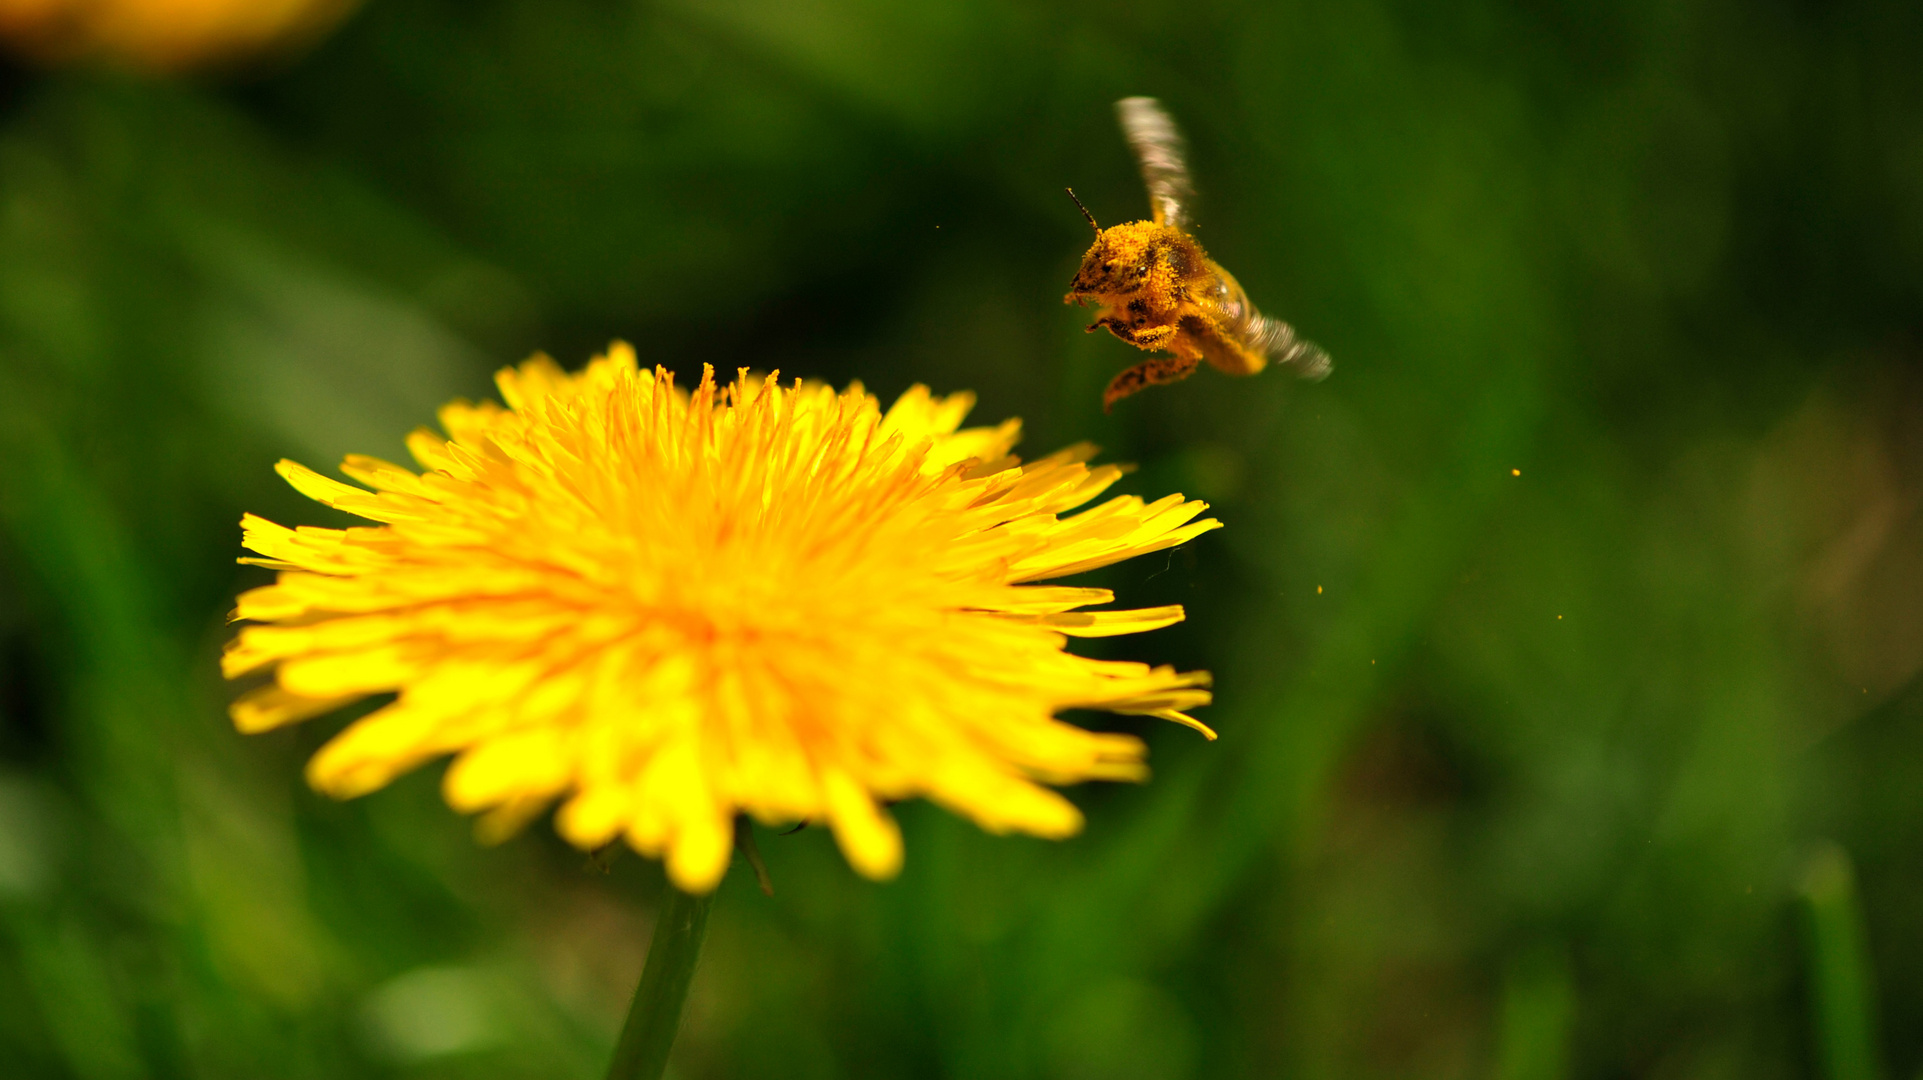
642, 1053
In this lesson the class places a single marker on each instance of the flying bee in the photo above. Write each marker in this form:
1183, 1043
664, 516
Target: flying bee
1160, 292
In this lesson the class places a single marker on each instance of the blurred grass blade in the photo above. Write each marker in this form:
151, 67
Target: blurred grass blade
1538, 1010
1842, 992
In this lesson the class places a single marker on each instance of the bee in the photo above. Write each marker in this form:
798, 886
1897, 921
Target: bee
1160, 292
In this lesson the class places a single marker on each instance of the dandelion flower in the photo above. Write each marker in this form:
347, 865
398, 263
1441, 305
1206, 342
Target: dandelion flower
661, 608
164, 35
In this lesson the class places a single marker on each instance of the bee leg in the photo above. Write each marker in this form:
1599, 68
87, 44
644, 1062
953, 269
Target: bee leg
1162, 369
1154, 337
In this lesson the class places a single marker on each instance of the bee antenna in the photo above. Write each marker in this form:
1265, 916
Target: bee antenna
1084, 209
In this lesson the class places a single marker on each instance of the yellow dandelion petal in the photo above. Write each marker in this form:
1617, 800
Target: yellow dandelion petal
270, 707
656, 609
867, 834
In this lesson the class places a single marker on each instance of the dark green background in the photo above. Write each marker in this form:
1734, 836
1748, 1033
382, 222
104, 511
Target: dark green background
1613, 768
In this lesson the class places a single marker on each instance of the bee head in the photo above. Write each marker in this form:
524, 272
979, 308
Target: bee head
1120, 260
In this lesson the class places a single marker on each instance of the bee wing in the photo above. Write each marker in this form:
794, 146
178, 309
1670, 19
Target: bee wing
1272, 338
1158, 148
1278, 339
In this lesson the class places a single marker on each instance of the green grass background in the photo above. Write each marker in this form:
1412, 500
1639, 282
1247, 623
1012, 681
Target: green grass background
1611, 768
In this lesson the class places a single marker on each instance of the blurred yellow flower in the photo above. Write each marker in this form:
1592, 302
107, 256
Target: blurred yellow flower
162, 34
664, 608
